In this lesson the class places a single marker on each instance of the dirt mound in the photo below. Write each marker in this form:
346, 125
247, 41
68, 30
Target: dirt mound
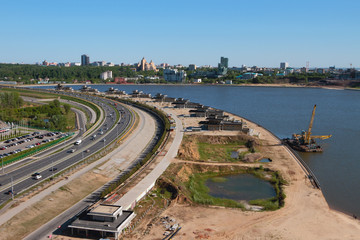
222, 139
188, 149
189, 146
252, 157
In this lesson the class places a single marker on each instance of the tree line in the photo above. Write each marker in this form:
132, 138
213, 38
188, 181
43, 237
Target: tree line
50, 116
25, 72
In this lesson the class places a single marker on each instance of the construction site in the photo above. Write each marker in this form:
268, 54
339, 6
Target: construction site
305, 141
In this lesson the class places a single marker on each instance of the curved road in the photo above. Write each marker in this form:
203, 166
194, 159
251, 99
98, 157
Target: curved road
111, 129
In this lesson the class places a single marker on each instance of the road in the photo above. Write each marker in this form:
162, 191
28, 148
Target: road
22, 178
133, 146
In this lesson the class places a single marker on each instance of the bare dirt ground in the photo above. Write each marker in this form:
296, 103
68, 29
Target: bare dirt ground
306, 214
43, 211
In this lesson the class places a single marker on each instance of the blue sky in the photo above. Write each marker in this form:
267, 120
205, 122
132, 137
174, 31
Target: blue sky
261, 33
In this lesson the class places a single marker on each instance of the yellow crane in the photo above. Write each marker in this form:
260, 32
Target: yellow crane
305, 137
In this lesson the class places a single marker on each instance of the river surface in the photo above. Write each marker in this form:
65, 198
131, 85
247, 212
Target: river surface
240, 187
288, 110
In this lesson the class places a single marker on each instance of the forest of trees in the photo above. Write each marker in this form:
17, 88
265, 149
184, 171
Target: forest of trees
50, 116
23, 73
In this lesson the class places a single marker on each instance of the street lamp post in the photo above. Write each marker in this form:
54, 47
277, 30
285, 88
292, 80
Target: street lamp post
12, 189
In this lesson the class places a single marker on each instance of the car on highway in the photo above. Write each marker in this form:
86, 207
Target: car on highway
9, 192
38, 177
71, 151
53, 169
87, 150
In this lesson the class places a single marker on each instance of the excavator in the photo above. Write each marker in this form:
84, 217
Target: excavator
305, 142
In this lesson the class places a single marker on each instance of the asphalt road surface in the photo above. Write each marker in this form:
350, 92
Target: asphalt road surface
111, 127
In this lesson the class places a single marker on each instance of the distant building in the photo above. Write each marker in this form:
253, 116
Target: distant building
289, 71
321, 70
120, 80
85, 60
164, 65
249, 75
223, 66
145, 66
106, 75
174, 75
75, 64
304, 70
192, 67
284, 65
224, 62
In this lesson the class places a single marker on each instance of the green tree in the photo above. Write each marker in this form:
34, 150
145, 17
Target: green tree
67, 108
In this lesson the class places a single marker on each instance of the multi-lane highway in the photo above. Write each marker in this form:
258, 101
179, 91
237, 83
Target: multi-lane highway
21, 178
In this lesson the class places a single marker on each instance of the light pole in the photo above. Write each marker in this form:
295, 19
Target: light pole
12, 189
52, 169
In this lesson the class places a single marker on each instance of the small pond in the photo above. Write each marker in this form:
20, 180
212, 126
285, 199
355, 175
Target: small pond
265, 160
240, 187
234, 154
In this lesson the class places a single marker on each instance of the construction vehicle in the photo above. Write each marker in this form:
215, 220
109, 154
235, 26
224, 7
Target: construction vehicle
305, 142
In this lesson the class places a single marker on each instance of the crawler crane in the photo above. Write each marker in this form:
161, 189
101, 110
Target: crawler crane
305, 142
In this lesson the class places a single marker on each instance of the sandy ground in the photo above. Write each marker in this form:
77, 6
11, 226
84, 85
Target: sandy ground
306, 214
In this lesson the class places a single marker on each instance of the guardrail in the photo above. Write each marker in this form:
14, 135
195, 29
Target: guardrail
310, 174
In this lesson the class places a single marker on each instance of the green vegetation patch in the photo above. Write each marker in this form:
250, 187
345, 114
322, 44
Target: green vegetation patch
29, 93
199, 192
218, 152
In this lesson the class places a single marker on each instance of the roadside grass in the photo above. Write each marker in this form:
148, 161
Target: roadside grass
70, 120
29, 93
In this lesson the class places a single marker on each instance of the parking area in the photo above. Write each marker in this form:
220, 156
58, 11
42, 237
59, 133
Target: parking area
21, 143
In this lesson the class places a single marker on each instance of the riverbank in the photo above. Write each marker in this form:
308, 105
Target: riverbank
306, 214
277, 85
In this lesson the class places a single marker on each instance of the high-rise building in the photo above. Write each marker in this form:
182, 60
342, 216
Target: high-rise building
223, 66
284, 65
85, 60
224, 62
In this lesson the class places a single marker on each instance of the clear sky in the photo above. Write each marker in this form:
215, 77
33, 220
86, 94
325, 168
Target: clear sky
258, 32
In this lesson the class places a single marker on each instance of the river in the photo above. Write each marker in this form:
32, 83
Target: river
288, 110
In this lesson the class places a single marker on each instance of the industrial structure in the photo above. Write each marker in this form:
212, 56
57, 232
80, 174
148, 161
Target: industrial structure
305, 142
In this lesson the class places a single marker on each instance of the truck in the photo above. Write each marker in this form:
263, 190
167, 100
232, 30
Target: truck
78, 142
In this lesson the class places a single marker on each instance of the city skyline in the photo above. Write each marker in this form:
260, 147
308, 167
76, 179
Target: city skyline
322, 33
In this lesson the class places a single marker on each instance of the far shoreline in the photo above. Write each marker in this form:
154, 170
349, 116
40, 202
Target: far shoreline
275, 85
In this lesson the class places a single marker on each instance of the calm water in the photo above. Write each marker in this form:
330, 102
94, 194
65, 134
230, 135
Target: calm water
288, 110
241, 187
